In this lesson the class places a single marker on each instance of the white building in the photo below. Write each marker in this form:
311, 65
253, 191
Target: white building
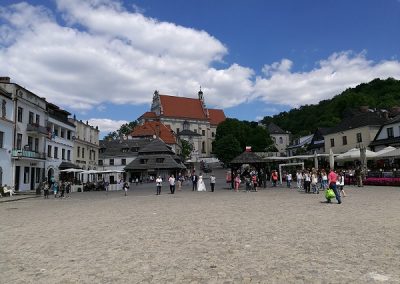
60, 144
6, 137
86, 145
388, 135
29, 136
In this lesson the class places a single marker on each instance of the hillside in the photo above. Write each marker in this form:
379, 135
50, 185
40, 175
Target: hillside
382, 94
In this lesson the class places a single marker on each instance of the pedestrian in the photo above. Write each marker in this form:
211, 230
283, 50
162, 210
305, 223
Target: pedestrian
314, 182
332, 179
194, 179
125, 187
62, 189
55, 188
289, 180
212, 182
159, 184
179, 178
299, 179
254, 182
46, 189
248, 183
274, 178
171, 181
307, 182
340, 184
324, 178
237, 182
68, 188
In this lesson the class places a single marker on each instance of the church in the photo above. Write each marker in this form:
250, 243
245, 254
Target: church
188, 118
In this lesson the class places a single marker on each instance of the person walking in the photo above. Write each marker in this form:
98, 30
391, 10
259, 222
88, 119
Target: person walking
194, 179
289, 180
332, 179
324, 178
299, 179
274, 178
237, 183
340, 184
125, 188
314, 182
158, 184
307, 182
179, 178
46, 189
55, 189
68, 187
171, 181
212, 182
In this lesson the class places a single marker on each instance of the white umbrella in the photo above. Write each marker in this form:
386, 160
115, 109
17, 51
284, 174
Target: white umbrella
354, 154
331, 159
72, 171
394, 153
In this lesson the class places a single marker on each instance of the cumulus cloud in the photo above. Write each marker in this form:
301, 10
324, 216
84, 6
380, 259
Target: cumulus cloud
106, 125
103, 52
330, 77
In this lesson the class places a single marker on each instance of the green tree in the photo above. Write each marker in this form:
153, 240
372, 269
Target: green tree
125, 129
186, 149
226, 148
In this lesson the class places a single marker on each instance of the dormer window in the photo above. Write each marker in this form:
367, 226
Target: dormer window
160, 160
186, 125
143, 161
125, 150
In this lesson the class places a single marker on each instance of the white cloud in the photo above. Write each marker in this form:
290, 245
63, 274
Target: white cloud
120, 56
330, 77
106, 125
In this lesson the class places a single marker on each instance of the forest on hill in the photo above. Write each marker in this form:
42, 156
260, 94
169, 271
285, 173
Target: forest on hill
380, 94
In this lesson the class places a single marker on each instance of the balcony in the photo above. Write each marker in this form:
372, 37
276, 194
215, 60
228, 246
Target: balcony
34, 128
28, 154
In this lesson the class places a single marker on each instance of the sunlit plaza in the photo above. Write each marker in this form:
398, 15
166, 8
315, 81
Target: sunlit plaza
276, 235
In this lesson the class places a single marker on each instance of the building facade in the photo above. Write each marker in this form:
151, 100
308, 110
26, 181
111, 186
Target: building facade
6, 137
86, 145
280, 137
188, 114
29, 136
388, 135
60, 144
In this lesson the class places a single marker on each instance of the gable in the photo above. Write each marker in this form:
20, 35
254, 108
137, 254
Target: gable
180, 107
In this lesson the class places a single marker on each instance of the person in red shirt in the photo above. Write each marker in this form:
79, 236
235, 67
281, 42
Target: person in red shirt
332, 178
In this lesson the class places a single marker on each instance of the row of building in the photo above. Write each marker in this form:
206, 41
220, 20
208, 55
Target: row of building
374, 129
38, 139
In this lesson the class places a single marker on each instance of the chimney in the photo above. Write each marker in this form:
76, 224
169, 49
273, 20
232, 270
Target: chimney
5, 80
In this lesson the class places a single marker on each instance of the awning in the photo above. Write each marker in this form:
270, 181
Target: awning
68, 165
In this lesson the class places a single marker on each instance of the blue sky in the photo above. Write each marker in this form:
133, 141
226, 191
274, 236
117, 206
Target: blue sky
103, 59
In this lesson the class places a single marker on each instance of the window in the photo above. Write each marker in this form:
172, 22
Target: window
359, 138
212, 134
55, 131
30, 118
1, 139
111, 162
69, 135
195, 131
37, 175
37, 144
69, 155
37, 119
177, 130
30, 143
203, 147
49, 151
19, 141
26, 175
125, 150
56, 152
3, 108
79, 151
100, 162
160, 160
62, 132
344, 138
143, 161
94, 155
389, 131
123, 161
20, 111
280, 140
203, 132
83, 153
332, 142
63, 154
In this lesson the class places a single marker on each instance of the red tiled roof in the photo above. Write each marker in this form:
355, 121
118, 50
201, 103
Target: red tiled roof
149, 114
216, 116
149, 128
181, 107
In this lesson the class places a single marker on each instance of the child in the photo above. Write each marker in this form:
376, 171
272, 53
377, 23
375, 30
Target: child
126, 187
340, 184
46, 190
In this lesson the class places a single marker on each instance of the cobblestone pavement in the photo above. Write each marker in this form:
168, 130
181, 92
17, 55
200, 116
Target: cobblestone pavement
272, 236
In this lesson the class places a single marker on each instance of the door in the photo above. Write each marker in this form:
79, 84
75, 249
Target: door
17, 177
32, 178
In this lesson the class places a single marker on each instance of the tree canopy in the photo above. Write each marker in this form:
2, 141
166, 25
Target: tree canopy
234, 135
125, 129
381, 94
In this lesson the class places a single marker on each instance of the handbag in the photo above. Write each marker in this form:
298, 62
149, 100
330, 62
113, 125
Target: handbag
329, 193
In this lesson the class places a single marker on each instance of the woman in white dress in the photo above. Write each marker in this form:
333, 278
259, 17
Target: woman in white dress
200, 184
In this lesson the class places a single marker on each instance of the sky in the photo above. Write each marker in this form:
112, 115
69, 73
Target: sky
102, 60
